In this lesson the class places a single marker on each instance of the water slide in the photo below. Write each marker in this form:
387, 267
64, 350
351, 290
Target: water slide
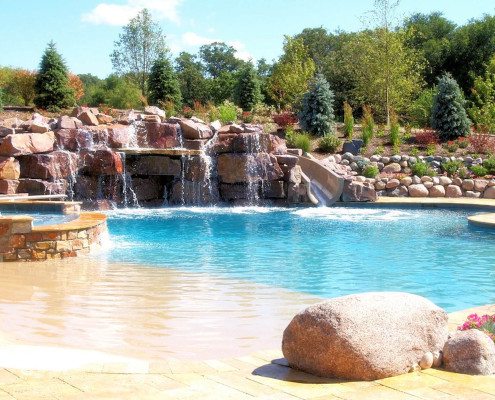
325, 186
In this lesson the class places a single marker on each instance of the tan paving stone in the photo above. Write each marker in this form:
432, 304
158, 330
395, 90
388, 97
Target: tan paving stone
410, 381
220, 366
460, 391
377, 392
242, 383
8, 377
5, 395
429, 393
40, 389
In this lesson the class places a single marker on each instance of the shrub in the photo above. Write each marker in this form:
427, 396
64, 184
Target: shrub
247, 92
481, 142
329, 144
368, 124
485, 323
247, 117
426, 137
316, 115
348, 121
431, 149
227, 112
187, 111
298, 140
463, 172
163, 84
285, 119
420, 110
463, 142
52, 90
451, 146
1, 99
370, 171
125, 94
449, 116
379, 150
394, 130
422, 169
478, 170
452, 167
489, 164
414, 151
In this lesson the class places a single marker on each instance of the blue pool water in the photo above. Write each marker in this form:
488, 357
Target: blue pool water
322, 251
41, 218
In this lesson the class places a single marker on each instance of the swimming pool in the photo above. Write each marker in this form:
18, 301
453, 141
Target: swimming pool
324, 252
43, 218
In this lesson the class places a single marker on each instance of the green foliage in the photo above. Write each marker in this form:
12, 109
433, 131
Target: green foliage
379, 150
298, 140
368, 125
431, 149
414, 152
222, 87
463, 172
489, 164
139, 45
479, 170
422, 169
329, 143
452, 167
1, 99
226, 112
395, 139
421, 108
291, 74
348, 121
52, 90
482, 111
316, 115
163, 85
193, 84
218, 58
449, 116
370, 171
124, 94
248, 88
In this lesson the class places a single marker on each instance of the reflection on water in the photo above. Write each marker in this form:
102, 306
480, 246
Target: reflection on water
140, 311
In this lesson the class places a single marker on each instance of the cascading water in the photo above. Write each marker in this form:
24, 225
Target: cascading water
255, 171
127, 185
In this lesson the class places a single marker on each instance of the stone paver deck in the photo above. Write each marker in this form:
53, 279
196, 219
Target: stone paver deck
263, 375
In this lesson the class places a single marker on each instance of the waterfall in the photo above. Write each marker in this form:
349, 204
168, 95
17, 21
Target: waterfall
127, 184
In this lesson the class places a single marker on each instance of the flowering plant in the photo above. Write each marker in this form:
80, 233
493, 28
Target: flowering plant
463, 142
485, 323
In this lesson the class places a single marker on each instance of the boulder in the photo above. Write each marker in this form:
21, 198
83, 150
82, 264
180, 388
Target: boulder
119, 136
469, 352
233, 192
418, 190
153, 110
153, 165
444, 180
393, 168
437, 191
162, 135
287, 159
76, 111
238, 168
358, 191
101, 162
392, 184
149, 188
193, 130
104, 118
489, 192
66, 122
27, 143
468, 184
40, 187
215, 125
74, 139
278, 146
9, 168
273, 190
187, 192
242, 143
88, 118
196, 168
453, 191
235, 128
480, 184
8, 186
365, 336
54, 166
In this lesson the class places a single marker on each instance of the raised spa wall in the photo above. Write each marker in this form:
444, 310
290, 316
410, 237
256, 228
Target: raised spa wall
21, 241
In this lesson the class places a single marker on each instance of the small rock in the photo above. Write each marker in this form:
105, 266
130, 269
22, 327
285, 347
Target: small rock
472, 195
392, 184
489, 193
457, 181
426, 361
437, 359
406, 181
453, 191
426, 179
428, 184
480, 184
444, 180
385, 160
437, 191
418, 190
468, 184
379, 185
392, 168
396, 158
416, 180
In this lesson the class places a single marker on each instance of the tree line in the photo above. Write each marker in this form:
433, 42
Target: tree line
391, 66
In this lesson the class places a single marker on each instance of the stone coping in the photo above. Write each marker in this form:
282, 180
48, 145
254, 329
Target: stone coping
86, 220
262, 375
161, 152
26, 205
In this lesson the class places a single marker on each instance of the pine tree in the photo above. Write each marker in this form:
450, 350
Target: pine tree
449, 116
163, 85
248, 88
316, 115
52, 90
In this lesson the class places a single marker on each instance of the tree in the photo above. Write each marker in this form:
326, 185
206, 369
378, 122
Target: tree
163, 85
22, 84
222, 87
193, 84
138, 47
291, 74
248, 88
77, 86
316, 115
52, 90
431, 35
219, 58
449, 116
319, 43
482, 110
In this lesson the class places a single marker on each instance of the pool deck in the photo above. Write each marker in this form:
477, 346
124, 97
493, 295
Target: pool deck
263, 375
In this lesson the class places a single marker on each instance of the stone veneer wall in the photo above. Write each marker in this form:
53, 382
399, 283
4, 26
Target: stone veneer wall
20, 241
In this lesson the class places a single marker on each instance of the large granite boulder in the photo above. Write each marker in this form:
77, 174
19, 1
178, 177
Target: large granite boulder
27, 143
469, 352
119, 136
8, 186
101, 162
195, 130
53, 166
358, 191
365, 336
153, 165
66, 122
242, 143
41, 187
162, 135
239, 168
9, 168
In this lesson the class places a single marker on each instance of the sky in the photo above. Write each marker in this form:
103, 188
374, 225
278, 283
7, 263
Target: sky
85, 30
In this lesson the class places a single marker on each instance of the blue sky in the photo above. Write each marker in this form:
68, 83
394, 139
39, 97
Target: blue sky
85, 30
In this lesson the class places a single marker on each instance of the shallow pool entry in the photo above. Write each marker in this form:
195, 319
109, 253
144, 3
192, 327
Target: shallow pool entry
325, 252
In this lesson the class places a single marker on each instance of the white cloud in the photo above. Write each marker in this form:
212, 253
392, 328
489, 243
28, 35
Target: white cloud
120, 14
191, 39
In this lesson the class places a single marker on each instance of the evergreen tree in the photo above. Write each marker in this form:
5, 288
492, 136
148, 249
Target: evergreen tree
316, 115
248, 88
449, 116
52, 90
163, 85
